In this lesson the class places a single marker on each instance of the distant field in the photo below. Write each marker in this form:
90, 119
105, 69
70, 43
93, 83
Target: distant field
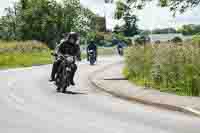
29, 53
23, 54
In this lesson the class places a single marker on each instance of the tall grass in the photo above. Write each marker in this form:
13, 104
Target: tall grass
22, 47
171, 68
20, 54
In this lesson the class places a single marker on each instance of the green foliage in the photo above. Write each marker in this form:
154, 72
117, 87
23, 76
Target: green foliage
45, 20
142, 40
121, 8
123, 38
190, 29
196, 40
101, 38
124, 12
177, 40
164, 31
22, 47
171, 68
23, 54
130, 28
100, 24
174, 5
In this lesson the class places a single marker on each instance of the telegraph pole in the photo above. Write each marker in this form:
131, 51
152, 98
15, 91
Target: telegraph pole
105, 15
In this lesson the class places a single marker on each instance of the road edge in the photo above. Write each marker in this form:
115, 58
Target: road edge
186, 110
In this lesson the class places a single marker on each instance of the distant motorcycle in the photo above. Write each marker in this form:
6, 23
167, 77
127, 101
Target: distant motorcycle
121, 51
92, 57
62, 77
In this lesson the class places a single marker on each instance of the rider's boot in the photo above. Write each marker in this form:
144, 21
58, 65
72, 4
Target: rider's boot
58, 89
53, 73
73, 74
72, 80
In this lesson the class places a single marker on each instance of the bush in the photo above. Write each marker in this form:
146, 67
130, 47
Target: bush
177, 40
123, 38
168, 68
196, 40
142, 40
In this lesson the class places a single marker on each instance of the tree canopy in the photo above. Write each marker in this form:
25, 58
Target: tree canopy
174, 5
124, 11
45, 20
189, 29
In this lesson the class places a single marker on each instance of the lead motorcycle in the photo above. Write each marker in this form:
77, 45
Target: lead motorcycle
62, 77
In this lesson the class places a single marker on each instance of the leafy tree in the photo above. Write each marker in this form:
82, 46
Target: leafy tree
45, 20
174, 5
124, 12
177, 40
190, 29
117, 29
130, 28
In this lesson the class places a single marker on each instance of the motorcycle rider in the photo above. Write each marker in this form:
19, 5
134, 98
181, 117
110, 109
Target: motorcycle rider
93, 47
68, 45
120, 45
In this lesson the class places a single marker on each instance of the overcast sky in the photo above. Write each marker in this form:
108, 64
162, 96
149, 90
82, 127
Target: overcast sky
151, 17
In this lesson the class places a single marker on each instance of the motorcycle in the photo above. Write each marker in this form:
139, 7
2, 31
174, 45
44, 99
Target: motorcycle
121, 52
92, 57
62, 77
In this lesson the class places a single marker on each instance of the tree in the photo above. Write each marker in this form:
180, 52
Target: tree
117, 29
164, 31
174, 5
124, 12
45, 20
190, 29
177, 40
130, 28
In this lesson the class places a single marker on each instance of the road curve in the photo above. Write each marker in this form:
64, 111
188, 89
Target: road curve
30, 104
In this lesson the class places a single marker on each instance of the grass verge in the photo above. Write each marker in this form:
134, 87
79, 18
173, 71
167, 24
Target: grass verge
23, 54
15, 60
168, 68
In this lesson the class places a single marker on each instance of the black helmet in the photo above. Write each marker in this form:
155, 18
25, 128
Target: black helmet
75, 36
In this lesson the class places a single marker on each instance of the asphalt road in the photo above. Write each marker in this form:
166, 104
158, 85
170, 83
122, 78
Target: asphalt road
30, 104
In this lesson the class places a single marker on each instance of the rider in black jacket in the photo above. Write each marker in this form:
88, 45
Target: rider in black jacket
93, 47
70, 46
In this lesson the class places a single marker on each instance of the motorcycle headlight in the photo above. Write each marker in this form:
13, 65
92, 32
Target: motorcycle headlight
91, 51
70, 59
68, 68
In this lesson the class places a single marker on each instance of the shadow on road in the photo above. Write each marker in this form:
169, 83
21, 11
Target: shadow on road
73, 93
